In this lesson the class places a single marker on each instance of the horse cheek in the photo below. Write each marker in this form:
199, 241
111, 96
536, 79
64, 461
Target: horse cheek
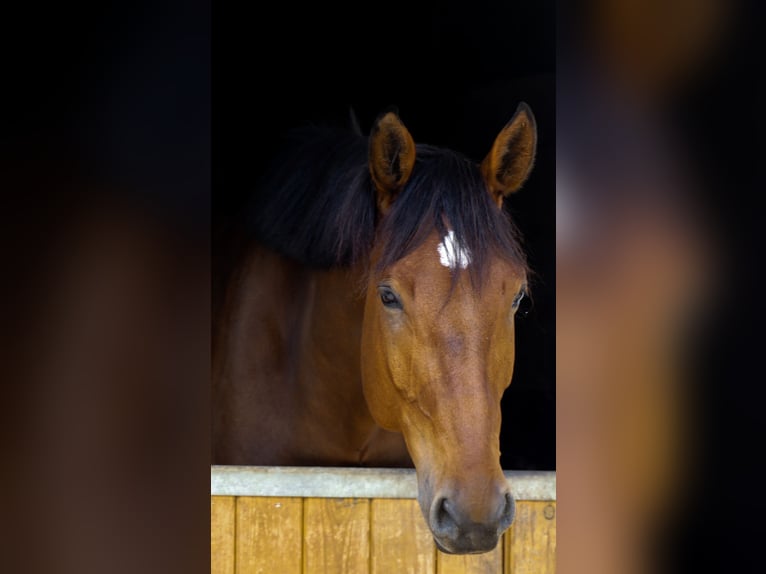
502, 361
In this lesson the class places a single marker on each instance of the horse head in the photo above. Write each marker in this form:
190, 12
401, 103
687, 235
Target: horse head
438, 330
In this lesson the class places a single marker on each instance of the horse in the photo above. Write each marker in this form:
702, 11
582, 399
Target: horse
371, 320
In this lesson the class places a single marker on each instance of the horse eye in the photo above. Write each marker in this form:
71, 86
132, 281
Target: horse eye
389, 298
521, 303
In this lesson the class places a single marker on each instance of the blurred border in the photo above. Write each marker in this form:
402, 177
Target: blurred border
105, 180
659, 111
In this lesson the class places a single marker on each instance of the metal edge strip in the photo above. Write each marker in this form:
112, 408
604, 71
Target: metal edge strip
335, 482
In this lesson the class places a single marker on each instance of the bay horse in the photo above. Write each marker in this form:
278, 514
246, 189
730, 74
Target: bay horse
371, 321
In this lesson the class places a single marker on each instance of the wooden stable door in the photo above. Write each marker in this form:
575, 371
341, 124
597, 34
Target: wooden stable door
293, 535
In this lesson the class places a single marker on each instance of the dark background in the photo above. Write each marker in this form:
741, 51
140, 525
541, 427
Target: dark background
456, 72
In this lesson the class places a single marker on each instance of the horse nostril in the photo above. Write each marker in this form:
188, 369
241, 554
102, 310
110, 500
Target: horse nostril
442, 521
509, 511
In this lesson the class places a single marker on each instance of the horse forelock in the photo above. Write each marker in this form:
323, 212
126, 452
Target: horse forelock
447, 193
318, 206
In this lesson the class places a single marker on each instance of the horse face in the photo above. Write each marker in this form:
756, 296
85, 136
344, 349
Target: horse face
437, 356
435, 363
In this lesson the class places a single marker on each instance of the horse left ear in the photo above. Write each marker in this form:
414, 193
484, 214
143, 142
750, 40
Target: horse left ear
510, 160
392, 157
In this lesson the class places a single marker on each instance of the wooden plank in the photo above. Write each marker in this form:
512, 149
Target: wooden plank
487, 563
269, 533
400, 539
336, 536
531, 543
222, 535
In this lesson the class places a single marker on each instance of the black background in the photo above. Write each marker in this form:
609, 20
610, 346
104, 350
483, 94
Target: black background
456, 73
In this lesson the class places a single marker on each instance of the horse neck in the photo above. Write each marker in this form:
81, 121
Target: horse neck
334, 326
330, 377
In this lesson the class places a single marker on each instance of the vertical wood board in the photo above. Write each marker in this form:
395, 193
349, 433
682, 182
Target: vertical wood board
269, 535
222, 534
336, 536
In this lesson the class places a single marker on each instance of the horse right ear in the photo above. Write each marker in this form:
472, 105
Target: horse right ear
510, 160
392, 157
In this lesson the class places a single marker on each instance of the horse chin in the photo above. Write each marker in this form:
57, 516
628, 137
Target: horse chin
446, 550
442, 548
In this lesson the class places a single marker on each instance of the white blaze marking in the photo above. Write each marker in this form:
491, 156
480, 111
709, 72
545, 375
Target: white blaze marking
451, 253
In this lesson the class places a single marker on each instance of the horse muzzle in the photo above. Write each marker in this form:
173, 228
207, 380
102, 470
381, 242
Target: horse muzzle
459, 527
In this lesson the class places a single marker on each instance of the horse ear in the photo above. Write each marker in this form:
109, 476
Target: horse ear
392, 157
510, 160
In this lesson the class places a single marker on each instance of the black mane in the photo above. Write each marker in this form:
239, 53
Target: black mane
318, 204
